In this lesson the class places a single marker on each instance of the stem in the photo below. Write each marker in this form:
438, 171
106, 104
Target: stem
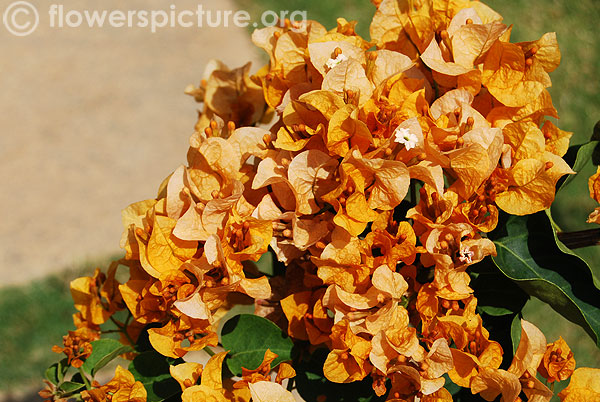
88, 386
582, 238
209, 351
117, 323
129, 316
129, 338
123, 330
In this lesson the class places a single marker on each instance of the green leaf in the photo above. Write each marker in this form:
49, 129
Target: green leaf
496, 294
577, 157
70, 387
51, 374
515, 333
247, 337
56, 373
567, 250
528, 254
152, 370
103, 352
236, 310
265, 264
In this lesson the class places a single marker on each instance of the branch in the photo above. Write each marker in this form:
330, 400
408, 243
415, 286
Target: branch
582, 238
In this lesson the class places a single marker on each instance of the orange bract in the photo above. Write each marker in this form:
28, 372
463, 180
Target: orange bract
77, 345
558, 363
584, 386
121, 388
373, 171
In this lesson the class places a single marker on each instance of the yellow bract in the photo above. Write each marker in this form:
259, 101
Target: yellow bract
121, 388
372, 171
584, 386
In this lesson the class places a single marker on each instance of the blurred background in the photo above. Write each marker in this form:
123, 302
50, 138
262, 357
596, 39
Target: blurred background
93, 119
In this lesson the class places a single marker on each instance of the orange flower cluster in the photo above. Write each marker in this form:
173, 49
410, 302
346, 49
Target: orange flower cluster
594, 187
77, 346
319, 156
122, 388
255, 384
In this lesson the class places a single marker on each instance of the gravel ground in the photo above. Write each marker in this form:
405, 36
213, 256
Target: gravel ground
92, 120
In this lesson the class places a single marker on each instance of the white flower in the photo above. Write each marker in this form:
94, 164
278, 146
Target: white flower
405, 137
331, 63
466, 256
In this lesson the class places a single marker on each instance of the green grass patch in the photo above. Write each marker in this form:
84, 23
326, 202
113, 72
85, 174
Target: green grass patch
34, 317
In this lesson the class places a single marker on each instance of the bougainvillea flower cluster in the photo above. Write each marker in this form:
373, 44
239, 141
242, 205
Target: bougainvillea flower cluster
372, 170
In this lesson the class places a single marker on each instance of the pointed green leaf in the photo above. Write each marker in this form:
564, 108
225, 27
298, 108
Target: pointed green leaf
265, 264
70, 387
496, 294
235, 310
152, 370
529, 255
51, 374
103, 352
515, 332
56, 373
567, 250
577, 157
247, 337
